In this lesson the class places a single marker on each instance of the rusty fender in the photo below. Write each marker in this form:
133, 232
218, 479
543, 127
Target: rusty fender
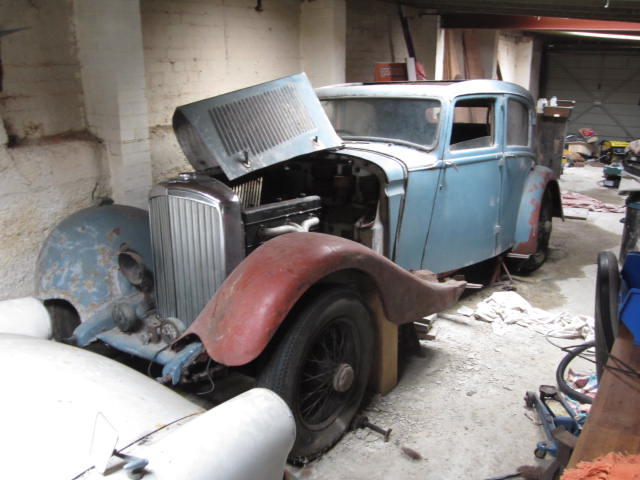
238, 322
526, 236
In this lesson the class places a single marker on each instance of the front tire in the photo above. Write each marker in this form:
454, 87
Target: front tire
321, 368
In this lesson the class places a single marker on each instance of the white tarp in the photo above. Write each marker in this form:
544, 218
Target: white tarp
502, 309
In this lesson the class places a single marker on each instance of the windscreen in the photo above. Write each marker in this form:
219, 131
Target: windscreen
404, 120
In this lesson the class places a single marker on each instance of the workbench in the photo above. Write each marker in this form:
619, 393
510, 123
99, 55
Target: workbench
613, 424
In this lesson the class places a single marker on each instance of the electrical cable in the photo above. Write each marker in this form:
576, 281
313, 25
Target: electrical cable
153, 359
213, 385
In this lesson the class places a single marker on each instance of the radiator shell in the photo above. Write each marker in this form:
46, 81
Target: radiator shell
197, 239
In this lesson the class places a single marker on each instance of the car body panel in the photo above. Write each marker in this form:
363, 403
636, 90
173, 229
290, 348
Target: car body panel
245, 438
55, 396
49, 420
526, 234
445, 90
238, 322
78, 261
255, 127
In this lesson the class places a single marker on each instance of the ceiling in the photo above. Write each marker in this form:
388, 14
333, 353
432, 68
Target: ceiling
624, 10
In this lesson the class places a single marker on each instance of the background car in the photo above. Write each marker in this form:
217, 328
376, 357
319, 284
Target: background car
68, 413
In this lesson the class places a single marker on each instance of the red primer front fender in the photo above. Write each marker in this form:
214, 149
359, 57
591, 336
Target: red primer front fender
238, 322
526, 235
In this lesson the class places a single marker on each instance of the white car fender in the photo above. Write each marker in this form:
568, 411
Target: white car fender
25, 316
245, 438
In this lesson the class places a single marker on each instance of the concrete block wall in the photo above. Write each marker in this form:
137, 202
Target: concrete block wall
42, 93
323, 26
40, 184
198, 49
52, 170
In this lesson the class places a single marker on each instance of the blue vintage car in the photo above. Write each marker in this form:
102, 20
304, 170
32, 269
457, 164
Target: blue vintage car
303, 237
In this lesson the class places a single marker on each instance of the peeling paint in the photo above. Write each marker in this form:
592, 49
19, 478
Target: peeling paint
78, 261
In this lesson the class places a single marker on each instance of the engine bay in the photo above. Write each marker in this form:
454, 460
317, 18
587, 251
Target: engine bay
342, 193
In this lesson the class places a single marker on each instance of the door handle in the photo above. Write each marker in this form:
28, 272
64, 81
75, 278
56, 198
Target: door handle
448, 163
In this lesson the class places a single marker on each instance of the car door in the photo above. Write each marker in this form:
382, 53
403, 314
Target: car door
519, 158
465, 221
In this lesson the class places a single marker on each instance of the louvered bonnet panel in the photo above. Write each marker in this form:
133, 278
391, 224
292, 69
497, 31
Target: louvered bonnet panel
255, 127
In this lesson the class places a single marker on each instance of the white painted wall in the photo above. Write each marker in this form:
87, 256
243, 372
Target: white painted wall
323, 28
201, 48
53, 171
109, 45
40, 184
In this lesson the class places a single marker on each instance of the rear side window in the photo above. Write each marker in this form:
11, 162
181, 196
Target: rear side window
517, 123
473, 124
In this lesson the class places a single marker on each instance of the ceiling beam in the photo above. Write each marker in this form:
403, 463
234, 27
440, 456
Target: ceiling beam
618, 10
521, 22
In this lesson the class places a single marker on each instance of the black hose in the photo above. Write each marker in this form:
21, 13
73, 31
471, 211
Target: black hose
562, 366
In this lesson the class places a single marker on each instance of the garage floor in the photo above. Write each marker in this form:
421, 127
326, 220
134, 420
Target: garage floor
460, 406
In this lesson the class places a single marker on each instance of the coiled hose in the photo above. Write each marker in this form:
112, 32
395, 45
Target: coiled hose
562, 366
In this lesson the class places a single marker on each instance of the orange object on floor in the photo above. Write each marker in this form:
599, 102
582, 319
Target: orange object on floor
613, 466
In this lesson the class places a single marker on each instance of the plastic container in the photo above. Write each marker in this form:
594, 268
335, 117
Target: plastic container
630, 295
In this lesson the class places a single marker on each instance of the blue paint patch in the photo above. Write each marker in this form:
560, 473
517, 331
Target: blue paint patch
78, 261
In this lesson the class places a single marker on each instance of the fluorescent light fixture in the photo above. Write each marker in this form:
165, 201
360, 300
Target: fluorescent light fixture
611, 36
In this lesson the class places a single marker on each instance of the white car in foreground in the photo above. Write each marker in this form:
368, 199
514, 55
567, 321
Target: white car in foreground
68, 413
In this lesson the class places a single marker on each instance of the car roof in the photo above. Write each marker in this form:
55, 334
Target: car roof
423, 89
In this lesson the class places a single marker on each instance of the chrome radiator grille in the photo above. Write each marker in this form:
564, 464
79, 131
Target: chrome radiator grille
187, 238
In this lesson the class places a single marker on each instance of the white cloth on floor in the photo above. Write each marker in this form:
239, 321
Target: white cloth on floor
507, 308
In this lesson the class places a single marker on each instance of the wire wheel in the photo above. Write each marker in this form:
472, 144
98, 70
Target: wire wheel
327, 374
321, 368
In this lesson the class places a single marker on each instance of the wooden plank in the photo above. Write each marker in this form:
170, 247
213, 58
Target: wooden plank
614, 422
385, 366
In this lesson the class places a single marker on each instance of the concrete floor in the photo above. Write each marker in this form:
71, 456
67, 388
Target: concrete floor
460, 406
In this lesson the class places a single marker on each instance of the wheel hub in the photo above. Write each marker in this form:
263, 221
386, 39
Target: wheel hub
343, 377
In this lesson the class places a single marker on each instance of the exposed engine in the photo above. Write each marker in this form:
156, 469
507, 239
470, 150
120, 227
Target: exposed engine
202, 225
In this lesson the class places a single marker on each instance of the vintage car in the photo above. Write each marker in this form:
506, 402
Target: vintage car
71, 414
292, 251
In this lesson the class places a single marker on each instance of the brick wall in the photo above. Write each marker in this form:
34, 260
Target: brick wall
40, 184
198, 49
42, 94
374, 34
50, 173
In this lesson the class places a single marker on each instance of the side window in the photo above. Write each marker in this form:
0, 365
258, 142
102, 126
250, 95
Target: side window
473, 124
517, 123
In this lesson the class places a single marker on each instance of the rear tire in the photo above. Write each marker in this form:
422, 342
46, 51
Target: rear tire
64, 319
543, 235
321, 368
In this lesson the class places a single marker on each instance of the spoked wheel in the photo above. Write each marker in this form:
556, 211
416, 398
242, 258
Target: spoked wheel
321, 368
543, 235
